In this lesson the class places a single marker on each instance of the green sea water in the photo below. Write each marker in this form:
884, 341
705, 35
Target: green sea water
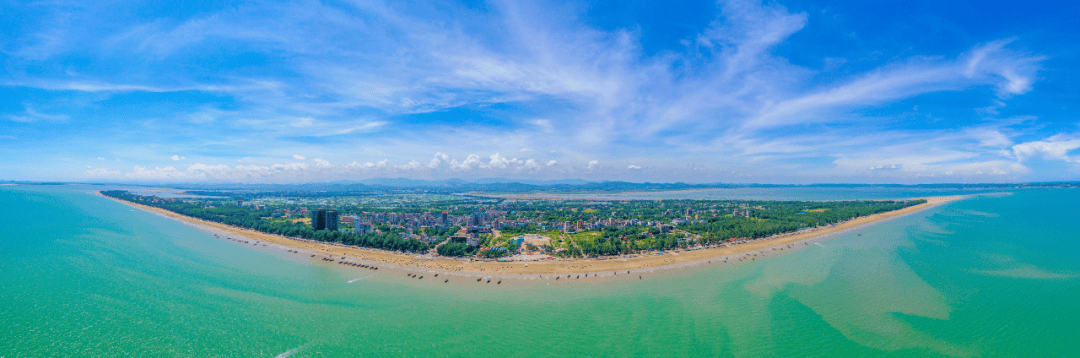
994, 276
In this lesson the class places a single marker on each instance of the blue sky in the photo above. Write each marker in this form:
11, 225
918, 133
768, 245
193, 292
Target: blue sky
699, 91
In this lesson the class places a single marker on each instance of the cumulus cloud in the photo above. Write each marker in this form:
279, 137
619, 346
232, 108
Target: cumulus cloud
551, 162
592, 164
102, 173
298, 157
176, 157
633, 167
318, 169
439, 159
1053, 148
494, 162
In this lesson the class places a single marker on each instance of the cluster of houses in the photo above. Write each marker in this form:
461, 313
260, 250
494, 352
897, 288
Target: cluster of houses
485, 221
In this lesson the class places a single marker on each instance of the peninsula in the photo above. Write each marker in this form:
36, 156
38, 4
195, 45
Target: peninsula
486, 236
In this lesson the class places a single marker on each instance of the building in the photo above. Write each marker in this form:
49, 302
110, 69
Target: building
324, 220
318, 220
364, 228
332, 220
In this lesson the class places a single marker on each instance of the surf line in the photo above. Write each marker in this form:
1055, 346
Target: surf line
358, 279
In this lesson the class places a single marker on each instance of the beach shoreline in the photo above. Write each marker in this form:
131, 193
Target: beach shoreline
530, 270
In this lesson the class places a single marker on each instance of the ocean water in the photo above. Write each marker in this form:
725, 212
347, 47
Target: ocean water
994, 276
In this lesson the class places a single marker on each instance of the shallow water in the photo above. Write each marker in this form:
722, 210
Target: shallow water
989, 276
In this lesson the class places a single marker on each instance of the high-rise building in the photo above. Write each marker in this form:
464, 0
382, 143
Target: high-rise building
324, 219
444, 222
318, 220
332, 220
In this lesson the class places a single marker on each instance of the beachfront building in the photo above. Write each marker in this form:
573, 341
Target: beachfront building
332, 220
318, 220
324, 220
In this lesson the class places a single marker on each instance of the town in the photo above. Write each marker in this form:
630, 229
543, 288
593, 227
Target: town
514, 229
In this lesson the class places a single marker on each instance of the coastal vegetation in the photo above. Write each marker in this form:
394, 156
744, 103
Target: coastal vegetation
494, 228
262, 220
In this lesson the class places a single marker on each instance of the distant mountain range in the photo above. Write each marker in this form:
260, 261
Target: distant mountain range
452, 186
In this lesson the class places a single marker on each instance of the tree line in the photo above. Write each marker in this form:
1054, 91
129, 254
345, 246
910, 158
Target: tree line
258, 220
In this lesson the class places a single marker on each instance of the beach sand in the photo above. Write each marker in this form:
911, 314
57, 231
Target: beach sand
537, 269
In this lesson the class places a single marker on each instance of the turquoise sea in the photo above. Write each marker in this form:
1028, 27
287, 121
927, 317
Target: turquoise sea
997, 275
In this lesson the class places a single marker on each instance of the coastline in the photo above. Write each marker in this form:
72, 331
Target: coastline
598, 268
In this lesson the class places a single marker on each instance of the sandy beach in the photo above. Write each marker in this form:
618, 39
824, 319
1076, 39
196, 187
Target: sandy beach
537, 269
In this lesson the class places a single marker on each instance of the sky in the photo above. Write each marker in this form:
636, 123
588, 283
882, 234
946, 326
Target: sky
788, 92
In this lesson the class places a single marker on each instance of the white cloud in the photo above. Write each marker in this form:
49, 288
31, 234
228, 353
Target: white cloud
176, 157
33, 115
597, 90
633, 167
990, 137
1053, 148
1015, 71
544, 124
303, 122
439, 159
102, 173
361, 128
470, 162
320, 170
95, 87
100, 158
